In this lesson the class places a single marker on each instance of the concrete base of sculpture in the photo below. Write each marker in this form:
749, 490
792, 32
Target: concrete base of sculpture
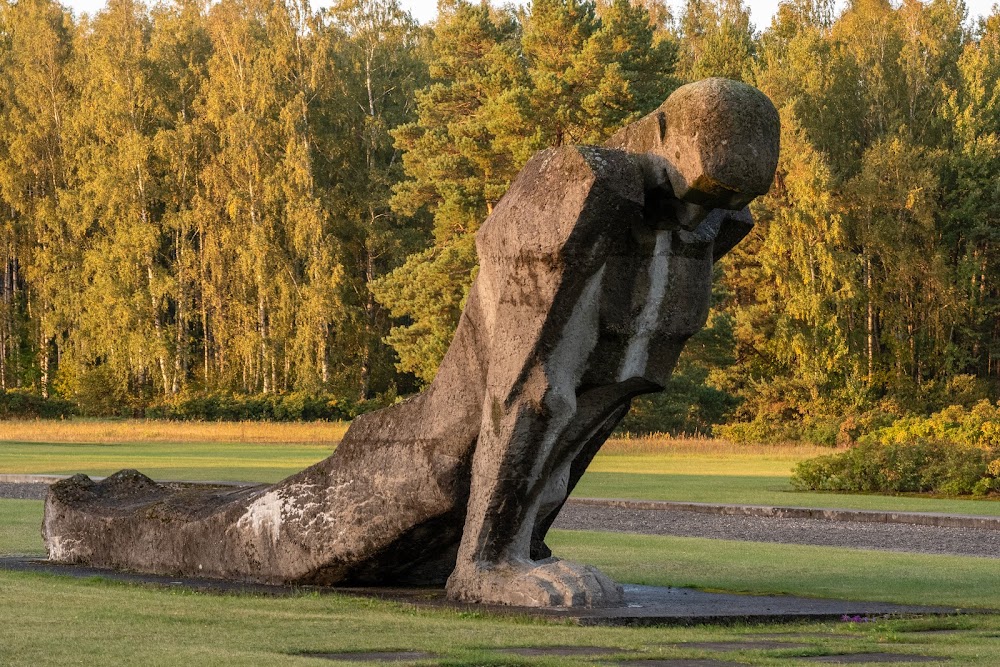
595, 269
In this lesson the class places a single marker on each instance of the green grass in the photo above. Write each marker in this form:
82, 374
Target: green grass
753, 567
755, 462
96, 622
20, 527
759, 490
180, 461
62, 622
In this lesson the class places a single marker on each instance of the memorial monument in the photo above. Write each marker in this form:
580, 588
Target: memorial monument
595, 268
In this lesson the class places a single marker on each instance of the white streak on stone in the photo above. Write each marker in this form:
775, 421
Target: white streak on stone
62, 549
263, 516
579, 336
637, 353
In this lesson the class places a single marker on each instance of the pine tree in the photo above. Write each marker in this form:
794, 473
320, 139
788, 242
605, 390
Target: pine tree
466, 145
581, 77
718, 40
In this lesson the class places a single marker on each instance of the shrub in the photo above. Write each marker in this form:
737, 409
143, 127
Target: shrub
25, 404
100, 393
784, 410
764, 430
953, 452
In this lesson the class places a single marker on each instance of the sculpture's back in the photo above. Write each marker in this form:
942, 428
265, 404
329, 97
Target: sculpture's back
595, 268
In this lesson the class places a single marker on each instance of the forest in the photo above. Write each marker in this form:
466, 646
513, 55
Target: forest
260, 209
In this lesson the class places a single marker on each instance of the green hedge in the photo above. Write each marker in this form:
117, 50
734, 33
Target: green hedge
685, 407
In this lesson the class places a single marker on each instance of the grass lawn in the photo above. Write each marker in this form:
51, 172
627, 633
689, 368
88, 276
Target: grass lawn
95, 622
696, 470
229, 451
62, 622
753, 567
21, 527
219, 461
758, 490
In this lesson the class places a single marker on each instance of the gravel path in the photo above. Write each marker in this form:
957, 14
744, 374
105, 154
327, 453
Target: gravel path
856, 535
23, 491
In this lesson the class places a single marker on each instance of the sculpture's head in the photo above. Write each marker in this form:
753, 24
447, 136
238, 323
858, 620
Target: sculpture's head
711, 144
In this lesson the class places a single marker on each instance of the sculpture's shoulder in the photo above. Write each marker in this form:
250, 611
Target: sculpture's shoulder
564, 199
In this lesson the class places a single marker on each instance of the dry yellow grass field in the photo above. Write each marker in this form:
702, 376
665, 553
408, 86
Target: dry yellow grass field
664, 443
148, 430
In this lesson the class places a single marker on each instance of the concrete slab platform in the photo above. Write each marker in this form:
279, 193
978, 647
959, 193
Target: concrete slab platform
742, 645
563, 651
380, 657
644, 605
865, 658
681, 662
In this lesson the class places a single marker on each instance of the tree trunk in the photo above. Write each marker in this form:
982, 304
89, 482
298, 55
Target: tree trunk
870, 321
180, 352
43, 363
161, 343
262, 330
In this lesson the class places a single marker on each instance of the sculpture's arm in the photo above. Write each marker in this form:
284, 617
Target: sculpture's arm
735, 226
563, 215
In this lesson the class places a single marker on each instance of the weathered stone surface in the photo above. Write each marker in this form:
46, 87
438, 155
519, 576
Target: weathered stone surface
713, 139
595, 268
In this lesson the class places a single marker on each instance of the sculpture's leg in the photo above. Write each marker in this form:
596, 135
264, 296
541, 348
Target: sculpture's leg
388, 506
522, 463
598, 413
512, 480
555, 494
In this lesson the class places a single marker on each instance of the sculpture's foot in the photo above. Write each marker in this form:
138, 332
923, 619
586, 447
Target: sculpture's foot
545, 583
304, 530
129, 521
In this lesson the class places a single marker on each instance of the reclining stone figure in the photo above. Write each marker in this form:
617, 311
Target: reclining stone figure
595, 268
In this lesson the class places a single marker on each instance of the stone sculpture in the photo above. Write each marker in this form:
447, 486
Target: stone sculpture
595, 269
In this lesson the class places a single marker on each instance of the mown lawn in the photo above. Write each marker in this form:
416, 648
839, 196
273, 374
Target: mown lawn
201, 461
21, 527
91, 622
758, 490
52, 620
